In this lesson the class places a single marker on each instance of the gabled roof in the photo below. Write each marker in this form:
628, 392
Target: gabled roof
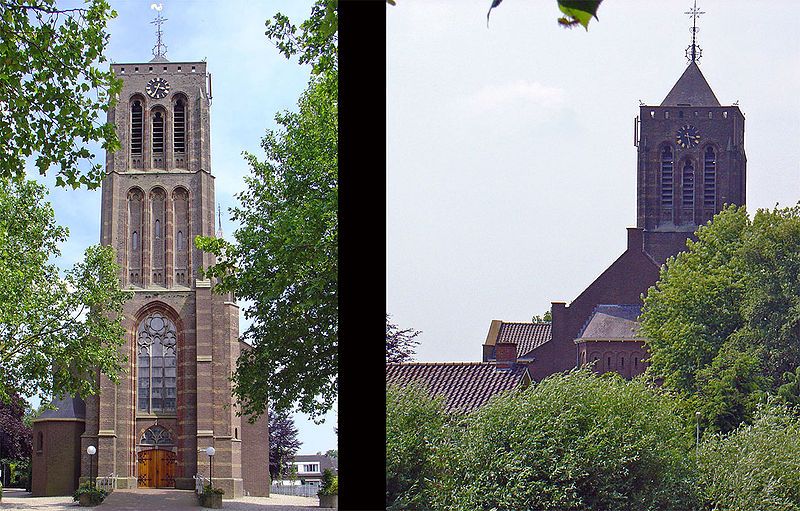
691, 89
465, 386
612, 322
527, 336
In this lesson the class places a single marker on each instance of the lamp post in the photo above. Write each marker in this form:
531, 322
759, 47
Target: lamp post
210, 451
91, 451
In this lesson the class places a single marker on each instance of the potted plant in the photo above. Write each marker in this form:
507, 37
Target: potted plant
211, 497
88, 494
329, 491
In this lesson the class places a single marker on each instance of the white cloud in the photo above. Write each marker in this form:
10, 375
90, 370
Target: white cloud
515, 95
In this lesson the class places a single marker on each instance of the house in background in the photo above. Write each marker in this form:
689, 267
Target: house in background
308, 469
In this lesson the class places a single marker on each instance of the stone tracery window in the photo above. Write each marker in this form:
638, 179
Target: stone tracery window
156, 435
156, 340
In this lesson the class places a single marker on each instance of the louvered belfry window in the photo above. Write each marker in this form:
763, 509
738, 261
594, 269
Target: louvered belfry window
710, 179
158, 132
179, 121
667, 182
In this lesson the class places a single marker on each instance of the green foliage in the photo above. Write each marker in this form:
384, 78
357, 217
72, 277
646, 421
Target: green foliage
330, 483
96, 495
730, 388
755, 467
54, 332
285, 259
547, 317
789, 392
414, 434
211, 490
52, 90
574, 442
723, 322
576, 12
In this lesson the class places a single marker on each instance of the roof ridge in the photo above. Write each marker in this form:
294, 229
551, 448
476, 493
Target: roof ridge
436, 363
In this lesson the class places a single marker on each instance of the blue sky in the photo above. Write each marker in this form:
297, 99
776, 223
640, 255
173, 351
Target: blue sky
251, 82
511, 170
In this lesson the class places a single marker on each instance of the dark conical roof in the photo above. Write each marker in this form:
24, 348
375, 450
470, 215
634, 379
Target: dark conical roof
691, 89
68, 407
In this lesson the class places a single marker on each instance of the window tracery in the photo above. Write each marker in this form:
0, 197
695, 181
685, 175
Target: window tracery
156, 341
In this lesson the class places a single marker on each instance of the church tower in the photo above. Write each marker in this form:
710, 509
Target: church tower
174, 401
691, 160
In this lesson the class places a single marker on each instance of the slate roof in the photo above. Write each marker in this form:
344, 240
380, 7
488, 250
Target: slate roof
691, 89
527, 336
465, 386
67, 408
613, 322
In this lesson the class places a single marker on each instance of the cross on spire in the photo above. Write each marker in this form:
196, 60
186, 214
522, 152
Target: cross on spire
160, 49
694, 52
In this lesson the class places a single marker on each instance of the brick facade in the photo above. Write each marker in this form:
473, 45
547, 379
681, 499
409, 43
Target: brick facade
157, 195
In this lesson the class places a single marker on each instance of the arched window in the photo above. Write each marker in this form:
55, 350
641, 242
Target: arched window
137, 133
156, 340
156, 435
158, 138
710, 179
179, 132
135, 203
158, 212
180, 202
667, 177
688, 184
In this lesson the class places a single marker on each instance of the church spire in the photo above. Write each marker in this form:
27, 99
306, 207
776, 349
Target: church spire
160, 49
694, 52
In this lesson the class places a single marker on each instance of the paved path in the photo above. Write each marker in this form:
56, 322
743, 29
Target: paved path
156, 500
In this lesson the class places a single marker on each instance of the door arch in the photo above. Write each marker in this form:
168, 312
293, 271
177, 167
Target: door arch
156, 461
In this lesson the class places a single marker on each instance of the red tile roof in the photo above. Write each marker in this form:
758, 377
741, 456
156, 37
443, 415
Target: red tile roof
465, 386
527, 336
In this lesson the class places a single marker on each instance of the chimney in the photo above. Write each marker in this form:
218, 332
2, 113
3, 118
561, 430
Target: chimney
636, 239
491, 339
505, 355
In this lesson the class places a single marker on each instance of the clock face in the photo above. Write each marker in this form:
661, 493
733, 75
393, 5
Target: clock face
157, 88
687, 136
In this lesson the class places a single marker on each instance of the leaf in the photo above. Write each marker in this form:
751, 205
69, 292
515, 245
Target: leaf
578, 11
495, 3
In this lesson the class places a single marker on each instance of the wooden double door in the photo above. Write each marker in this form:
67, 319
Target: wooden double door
157, 468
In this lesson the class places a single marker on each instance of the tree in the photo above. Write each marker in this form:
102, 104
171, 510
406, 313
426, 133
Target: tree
15, 435
547, 317
54, 332
332, 453
283, 443
723, 321
414, 435
573, 442
284, 259
400, 343
52, 90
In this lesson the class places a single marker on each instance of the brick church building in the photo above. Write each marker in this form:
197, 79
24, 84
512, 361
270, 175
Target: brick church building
181, 342
691, 163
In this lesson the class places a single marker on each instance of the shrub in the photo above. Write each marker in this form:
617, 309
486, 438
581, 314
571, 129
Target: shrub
96, 495
209, 490
330, 483
573, 442
414, 429
756, 466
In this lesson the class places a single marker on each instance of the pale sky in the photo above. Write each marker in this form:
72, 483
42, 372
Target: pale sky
251, 82
511, 170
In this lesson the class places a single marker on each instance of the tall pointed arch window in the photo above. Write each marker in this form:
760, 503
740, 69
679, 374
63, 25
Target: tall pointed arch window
667, 181
180, 202
135, 209
179, 132
710, 179
156, 341
158, 216
137, 132
688, 185
158, 132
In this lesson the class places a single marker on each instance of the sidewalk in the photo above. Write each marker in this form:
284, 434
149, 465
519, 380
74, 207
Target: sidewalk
155, 500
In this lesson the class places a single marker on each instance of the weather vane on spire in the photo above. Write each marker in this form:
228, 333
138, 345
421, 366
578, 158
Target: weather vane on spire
160, 49
693, 52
